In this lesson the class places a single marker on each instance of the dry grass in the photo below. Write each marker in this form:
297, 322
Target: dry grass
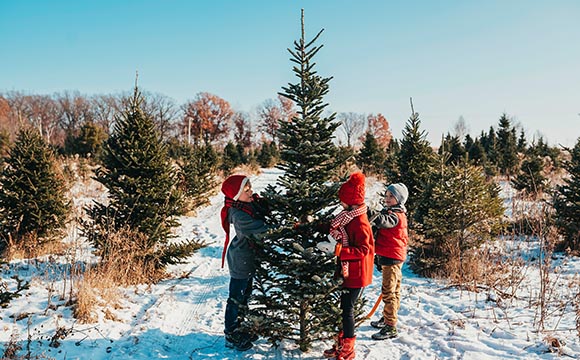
125, 263
12, 347
94, 290
30, 246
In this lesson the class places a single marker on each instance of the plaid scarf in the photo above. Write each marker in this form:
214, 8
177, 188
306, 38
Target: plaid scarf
338, 231
231, 203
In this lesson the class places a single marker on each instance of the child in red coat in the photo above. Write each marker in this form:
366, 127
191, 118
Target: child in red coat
353, 233
391, 249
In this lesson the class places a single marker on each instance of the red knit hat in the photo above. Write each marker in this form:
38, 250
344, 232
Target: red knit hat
352, 192
232, 188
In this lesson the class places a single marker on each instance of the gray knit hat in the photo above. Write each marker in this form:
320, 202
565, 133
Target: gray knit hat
399, 191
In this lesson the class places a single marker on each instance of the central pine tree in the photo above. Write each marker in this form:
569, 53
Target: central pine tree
295, 296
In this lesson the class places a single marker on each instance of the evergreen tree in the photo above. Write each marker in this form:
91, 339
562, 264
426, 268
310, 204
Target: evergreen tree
242, 153
371, 156
88, 142
392, 171
541, 148
507, 144
198, 170
33, 199
530, 178
460, 211
453, 147
231, 158
468, 142
476, 153
522, 142
268, 154
567, 202
143, 190
416, 160
490, 144
296, 296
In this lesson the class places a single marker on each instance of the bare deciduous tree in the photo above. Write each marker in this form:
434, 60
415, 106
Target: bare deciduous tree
76, 110
271, 112
105, 107
163, 111
460, 128
353, 126
46, 114
40, 111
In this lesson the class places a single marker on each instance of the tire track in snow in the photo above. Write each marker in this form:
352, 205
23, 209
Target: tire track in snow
158, 312
202, 281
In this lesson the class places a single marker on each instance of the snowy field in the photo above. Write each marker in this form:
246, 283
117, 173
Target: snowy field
182, 317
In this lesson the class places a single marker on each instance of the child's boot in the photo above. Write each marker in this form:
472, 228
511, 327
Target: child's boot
347, 349
333, 352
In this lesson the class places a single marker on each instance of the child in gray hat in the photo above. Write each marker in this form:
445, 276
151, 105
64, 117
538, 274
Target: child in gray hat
391, 238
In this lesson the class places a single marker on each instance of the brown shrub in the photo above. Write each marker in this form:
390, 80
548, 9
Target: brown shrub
127, 262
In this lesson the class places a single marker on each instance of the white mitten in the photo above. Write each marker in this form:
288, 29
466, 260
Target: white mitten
326, 247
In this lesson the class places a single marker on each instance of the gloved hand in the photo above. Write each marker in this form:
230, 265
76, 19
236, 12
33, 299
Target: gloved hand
304, 220
326, 247
378, 263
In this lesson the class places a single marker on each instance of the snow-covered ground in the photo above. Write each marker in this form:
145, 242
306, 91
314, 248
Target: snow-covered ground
182, 317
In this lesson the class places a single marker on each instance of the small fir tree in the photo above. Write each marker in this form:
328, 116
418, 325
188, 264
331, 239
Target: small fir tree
541, 148
567, 203
88, 142
143, 190
416, 160
198, 169
391, 163
489, 142
231, 158
268, 154
531, 180
522, 142
507, 145
33, 199
451, 145
371, 157
476, 152
461, 210
296, 294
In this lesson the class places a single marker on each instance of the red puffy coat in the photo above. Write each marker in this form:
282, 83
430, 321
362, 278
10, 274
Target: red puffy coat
392, 242
360, 253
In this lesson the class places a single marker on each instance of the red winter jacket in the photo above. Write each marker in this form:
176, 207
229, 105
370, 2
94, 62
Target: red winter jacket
392, 242
360, 253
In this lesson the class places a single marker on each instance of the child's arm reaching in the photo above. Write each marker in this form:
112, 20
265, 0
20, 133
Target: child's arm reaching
384, 219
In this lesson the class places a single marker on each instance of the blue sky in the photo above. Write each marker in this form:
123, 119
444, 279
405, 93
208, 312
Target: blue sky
475, 59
